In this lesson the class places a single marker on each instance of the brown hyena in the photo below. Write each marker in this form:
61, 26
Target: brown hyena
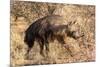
45, 28
61, 31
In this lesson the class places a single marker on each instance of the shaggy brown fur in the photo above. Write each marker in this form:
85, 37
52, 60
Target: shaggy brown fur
44, 29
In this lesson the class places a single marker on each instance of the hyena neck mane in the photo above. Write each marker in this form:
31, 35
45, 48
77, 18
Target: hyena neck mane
58, 27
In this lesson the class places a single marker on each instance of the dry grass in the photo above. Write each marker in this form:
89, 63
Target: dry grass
80, 50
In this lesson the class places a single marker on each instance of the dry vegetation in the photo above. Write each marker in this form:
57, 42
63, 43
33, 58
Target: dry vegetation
80, 50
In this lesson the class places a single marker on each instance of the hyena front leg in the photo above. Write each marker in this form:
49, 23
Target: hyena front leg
47, 47
61, 39
41, 48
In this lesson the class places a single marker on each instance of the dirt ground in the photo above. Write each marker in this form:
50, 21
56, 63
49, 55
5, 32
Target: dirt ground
25, 13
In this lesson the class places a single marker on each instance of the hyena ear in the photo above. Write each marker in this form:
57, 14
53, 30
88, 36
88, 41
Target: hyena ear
74, 22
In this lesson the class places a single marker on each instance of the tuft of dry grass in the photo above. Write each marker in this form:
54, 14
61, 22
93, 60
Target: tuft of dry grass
80, 50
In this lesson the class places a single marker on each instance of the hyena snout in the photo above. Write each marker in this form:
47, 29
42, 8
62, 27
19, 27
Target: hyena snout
76, 34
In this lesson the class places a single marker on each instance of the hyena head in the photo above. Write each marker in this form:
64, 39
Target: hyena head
73, 30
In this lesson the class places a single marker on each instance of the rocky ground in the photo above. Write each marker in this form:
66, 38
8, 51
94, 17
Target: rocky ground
80, 50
